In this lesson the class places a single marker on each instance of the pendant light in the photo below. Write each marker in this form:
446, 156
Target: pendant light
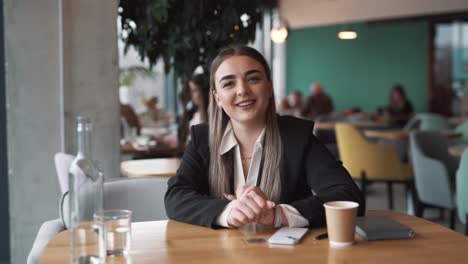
347, 33
279, 34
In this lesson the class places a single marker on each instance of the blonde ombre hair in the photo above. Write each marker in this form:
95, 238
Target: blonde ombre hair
218, 120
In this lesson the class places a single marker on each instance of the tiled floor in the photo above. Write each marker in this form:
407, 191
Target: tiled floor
377, 200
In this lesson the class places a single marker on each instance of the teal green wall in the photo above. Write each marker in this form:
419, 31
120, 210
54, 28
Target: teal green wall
361, 72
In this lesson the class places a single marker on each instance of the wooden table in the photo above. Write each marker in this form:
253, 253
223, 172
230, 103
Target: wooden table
150, 167
160, 150
175, 242
387, 134
457, 150
457, 120
330, 125
400, 134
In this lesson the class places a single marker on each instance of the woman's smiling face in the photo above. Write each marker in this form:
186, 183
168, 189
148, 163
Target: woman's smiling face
243, 90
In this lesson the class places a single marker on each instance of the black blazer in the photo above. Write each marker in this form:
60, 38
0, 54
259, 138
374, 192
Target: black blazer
306, 165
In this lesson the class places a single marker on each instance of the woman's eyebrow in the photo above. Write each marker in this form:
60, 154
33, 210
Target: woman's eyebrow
226, 77
231, 76
251, 72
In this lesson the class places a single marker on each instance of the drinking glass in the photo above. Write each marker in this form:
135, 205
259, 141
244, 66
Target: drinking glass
117, 231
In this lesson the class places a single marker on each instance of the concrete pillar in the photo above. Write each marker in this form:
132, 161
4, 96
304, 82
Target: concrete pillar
90, 77
46, 90
4, 205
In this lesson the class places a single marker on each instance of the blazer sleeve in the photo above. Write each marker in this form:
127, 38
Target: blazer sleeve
329, 180
188, 196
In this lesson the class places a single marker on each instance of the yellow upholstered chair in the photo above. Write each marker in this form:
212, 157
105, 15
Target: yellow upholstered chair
370, 162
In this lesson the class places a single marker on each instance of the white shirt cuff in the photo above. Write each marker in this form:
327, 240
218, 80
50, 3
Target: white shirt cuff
295, 219
221, 219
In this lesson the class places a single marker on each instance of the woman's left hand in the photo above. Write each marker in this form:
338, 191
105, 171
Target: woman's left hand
267, 218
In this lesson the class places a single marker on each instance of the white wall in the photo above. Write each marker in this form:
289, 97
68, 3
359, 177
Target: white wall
37, 122
306, 13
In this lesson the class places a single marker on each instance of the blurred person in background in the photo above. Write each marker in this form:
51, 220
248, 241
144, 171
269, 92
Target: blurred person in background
196, 113
291, 104
400, 109
152, 115
199, 96
128, 115
318, 103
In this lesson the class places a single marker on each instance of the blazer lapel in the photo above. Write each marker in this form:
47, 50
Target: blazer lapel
229, 156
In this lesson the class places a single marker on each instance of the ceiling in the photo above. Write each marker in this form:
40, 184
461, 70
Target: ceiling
306, 13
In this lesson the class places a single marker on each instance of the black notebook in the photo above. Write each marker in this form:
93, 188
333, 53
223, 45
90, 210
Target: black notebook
382, 227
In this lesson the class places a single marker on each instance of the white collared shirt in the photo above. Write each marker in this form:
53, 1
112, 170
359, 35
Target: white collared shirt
229, 141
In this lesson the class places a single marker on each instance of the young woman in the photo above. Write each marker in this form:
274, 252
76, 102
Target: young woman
199, 95
400, 108
249, 164
194, 116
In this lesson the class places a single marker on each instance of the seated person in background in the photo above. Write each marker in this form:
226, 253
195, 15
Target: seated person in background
318, 103
400, 109
199, 95
292, 104
250, 165
127, 112
152, 113
196, 114
154, 116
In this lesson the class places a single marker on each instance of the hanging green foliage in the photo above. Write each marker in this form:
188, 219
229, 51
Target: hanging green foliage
188, 33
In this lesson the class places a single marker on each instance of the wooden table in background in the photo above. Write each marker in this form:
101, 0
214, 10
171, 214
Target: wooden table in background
457, 120
402, 134
330, 125
387, 134
160, 150
176, 242
457, 150
150, 167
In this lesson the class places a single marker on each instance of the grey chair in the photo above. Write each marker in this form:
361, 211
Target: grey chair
462, 190
432, 121
434, 172
62, 165
402, 145
412, 124
143, 196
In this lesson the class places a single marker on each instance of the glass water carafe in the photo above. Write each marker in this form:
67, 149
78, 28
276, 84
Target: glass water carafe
86, 201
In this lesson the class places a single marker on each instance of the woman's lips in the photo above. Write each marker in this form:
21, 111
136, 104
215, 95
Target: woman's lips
246, 104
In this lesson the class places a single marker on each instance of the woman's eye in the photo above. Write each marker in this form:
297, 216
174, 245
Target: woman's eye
254, 79
228, 84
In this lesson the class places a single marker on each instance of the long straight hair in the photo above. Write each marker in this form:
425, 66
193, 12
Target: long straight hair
218, 120
201, 83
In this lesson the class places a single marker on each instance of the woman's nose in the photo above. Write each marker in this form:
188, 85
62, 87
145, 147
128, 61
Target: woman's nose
242, 89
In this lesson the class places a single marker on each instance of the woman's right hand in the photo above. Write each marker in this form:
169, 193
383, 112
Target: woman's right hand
249, 205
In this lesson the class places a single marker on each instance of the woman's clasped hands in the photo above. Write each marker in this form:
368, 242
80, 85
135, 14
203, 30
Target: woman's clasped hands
249, 205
